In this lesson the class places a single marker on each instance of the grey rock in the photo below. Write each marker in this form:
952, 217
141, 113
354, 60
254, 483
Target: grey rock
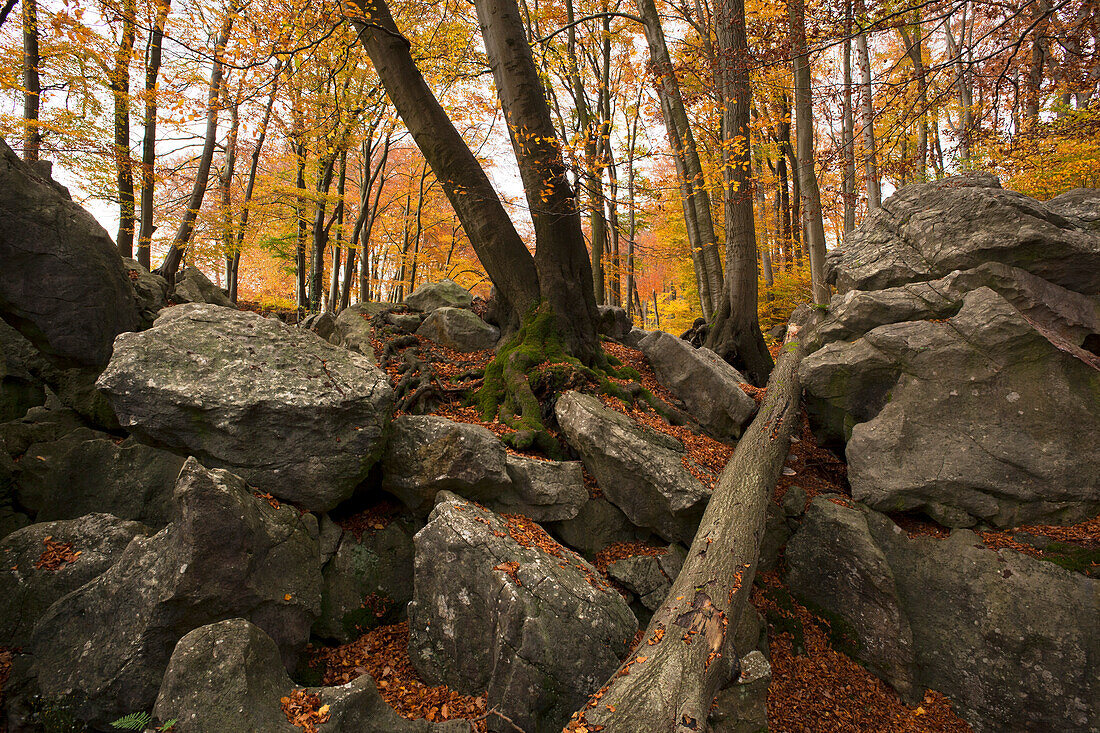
649, 577
426, 454
639, 471
368, 582
444, 294
459, 329
964, 419
193, 286
329, 534
1081, 205
86, 471
352, 328
544, 491
776, 534
598, 523
288, 412
794, 501
106, 645
613, 322
539, 636
706, 384
926, 230
20, 390
634, 338
1010, 639
405, 322
150, 289
742, 707
64, 286
39, 425
26, 591
323, 324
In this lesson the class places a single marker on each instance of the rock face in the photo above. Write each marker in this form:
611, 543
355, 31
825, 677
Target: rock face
444, 294
195, 287
964, 418
87, 471
20, 390
322, 324
544, 491
367, 582
614, 322
352, 329
150, 289
64, 286
228, 554
598, 523
641, 472
286, 411
540, 632
459, 329
28, 586
707, 385
926, 230
649, 577
426, 454
1009, 638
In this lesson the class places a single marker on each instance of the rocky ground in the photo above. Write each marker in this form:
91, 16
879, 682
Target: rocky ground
231, 522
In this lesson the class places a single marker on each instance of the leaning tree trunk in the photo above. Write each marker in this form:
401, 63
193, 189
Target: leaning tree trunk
848, 128
736, 335
149, 141
119, 79
667, 685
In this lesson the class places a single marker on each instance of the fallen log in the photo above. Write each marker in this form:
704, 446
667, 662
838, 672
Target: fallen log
667, 685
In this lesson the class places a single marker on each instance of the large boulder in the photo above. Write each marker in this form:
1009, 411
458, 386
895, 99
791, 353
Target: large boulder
1081, 205
227, 676
88, 471
43, 562
444, 294
964, 417
150, 289
106, 645
288, 412
20, 390
499, 607
544, 491
598, 523
641, 471
650, 577
352, 328
1010, 639
926, 230
368, 581
64, 286
193, 286
707, 385
459, 329
323, 324
613, 322
426, 454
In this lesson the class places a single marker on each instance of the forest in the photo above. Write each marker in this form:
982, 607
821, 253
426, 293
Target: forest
259, 143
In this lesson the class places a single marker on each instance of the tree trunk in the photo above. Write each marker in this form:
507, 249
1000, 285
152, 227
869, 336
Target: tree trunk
187, 226
1039, 55
32, 87
498, 246
736, 335
870, 158
334, 281
848, 128
956, 52
804, 131
225, 186
149, 142
364, 238
119, 82
670, 681
320, 232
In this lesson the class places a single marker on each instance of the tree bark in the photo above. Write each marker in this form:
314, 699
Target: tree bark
32, 87
364, 237
186, 229
1039, 55
870, 158
956, 51
735, 335
119, 80
149, 142
225, 186
804, 132
848, 127
670, 681
320, 232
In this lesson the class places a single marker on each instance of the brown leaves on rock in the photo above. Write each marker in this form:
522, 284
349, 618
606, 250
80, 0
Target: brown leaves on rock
383, 654
304, 710
623, 550
371, 519
56, 554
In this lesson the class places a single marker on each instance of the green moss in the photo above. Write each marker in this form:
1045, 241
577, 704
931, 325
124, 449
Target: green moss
1071, 557
842, 635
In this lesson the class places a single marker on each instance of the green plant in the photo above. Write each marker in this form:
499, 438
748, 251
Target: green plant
141, 721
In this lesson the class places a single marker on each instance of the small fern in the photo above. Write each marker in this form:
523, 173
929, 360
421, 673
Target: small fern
133, 721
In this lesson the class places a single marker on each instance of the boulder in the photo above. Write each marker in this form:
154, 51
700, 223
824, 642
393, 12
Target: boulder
501, 608
40, 425
598, 523
64, 286
86, 547
193, 286
926, 230
964, 418
459, 329
1009, 638
444, 294
352, 328
1081, 206
150, 289
11, 518
544, 491
613, 322
426, 454
20, 390
323, 324
86, 471
368, 581
288, 412
742, 707
706, 384
634, 338
405, 322
640, 471
106, 645
649, 577
227, 676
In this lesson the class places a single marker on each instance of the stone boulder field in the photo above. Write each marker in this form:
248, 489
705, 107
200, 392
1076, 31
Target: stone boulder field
222, 521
